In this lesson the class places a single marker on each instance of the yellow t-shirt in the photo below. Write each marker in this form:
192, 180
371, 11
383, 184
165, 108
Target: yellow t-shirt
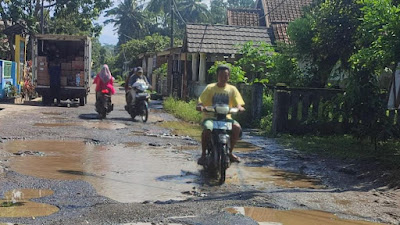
213, 94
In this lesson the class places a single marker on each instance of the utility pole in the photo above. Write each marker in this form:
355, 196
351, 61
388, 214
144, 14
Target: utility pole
42, 18
172, 23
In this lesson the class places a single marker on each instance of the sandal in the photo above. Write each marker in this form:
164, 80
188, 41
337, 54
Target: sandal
234, 158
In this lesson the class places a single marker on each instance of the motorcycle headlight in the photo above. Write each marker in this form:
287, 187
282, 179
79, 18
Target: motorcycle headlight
223, 138
222, 109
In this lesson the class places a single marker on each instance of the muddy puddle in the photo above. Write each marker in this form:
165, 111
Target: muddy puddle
184, 129
99, 125
55, 125
135, 174
16, 203
294, 217
52, 113
264, 176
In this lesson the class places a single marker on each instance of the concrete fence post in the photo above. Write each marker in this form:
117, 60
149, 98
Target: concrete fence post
280, 110
257, 101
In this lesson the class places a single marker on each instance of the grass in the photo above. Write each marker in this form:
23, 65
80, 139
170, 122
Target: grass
183, 110
345, 147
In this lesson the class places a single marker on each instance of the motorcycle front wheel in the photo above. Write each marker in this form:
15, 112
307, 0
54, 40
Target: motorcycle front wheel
145, 112
223, 164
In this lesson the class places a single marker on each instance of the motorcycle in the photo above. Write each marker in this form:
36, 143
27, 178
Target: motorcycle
103, 103
217, 158
140, 106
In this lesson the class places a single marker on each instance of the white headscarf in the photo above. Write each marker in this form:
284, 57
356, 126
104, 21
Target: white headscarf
105, 74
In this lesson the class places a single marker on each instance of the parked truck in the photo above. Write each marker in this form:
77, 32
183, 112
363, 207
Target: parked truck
61, 67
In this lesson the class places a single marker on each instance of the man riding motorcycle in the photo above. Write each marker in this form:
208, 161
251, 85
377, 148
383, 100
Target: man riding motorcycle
219, 93
131, 95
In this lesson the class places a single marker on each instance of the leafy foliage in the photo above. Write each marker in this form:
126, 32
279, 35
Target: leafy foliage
324, 36
183, 110
237, 74
256, 60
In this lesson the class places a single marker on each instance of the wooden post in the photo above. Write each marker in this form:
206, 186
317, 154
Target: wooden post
185, 80
280, 110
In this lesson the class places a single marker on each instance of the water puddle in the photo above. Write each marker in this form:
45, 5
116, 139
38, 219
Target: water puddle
16, 204
267, 175
99, 125
184, 129
58, 118
126, 176
242, 146
54, 124
52, 113
293, 217
104, 126
132, 144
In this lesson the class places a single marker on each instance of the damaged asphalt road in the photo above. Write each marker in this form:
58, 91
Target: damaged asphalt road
119, 171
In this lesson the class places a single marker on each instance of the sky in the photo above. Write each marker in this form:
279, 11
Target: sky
108, 35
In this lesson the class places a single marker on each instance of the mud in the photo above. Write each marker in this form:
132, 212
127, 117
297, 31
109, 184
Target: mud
294, 217
113, 170
267, 176
17, 203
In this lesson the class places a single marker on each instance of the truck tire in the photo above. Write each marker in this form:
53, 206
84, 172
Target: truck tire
82, 101
45, 100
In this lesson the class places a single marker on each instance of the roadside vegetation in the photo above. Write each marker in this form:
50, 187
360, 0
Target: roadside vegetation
183, 110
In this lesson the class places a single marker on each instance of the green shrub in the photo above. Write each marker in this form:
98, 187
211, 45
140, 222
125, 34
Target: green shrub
183, 110
237, 74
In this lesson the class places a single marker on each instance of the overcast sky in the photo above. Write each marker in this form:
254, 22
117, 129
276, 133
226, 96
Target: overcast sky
108, 35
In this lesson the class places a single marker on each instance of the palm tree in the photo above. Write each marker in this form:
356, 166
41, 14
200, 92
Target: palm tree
159, 6
193, 11
128, 20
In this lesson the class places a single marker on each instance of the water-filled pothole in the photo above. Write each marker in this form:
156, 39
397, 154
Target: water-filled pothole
268, 175
52, 113
125, 176
17, 203
294, 217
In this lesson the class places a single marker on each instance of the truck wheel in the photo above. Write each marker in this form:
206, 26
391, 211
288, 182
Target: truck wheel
82, 101
45, 100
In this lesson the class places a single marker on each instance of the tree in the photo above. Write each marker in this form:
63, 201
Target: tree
325, 36
218, 11
68, 16
378, 35
130, 51
129, 21
241, 3
193, 11
256, 60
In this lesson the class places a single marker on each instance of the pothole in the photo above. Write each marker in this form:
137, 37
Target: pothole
52, 113
17, 203
293, 217
114, 171
54, 124
272, 176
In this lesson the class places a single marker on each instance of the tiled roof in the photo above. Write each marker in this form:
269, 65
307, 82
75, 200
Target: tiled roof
280, 32
221, 38
278, 14
244, 17
279, 11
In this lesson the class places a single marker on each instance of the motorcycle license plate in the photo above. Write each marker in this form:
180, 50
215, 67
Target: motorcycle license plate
222, 125
142, 94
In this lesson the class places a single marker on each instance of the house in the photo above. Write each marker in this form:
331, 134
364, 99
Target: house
205, 44
273, 14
